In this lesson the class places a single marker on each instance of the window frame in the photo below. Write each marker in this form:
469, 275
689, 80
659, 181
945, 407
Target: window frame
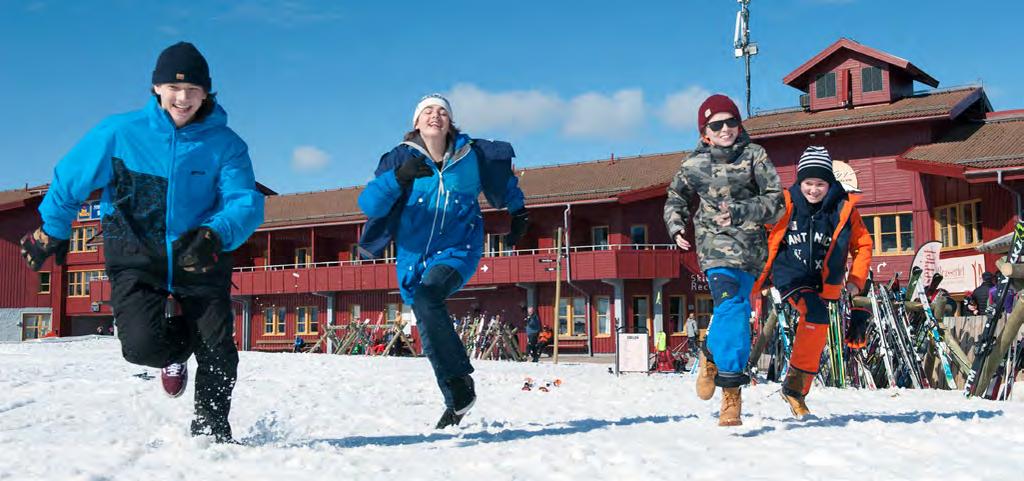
79, 241
488, 248
607, 237
647, 318
42, 320
875, 229
818, 85
279, 320
307, 257
607, 316
701, 315
570, 317
307, 320
48, 283
682, 315
864, 79
637, 245
81, 279
959, 230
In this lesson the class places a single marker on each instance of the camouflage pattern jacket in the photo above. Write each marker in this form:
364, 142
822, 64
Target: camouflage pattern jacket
742, 177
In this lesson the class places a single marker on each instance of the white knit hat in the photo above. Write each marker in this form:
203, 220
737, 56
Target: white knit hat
435, 100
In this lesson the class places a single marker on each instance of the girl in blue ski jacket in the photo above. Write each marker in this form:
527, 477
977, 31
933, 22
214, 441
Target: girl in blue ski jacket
178, 196
425, 198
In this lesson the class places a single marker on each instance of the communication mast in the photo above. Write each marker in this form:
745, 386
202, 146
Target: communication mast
741, 42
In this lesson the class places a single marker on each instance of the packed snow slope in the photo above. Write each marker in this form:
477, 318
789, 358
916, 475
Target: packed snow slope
72, 410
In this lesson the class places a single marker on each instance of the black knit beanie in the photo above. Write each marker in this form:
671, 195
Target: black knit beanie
182, 62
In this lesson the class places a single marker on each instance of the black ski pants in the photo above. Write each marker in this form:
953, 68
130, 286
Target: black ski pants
204, 327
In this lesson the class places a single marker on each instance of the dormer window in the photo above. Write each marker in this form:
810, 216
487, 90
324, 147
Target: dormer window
825, 85
871, 79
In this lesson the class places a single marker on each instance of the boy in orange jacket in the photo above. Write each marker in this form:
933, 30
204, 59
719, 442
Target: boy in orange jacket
807, 252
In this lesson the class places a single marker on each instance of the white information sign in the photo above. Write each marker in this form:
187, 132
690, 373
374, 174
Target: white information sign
634, 353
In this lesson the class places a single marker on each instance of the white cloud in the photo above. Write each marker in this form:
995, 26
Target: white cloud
596, 115
516, 110
307, 158
680, 108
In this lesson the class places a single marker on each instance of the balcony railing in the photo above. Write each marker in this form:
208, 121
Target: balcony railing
518, 252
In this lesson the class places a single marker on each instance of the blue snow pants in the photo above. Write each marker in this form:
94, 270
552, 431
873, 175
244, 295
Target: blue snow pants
728, 337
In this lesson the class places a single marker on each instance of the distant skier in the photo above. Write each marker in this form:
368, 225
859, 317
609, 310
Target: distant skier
807, 253
425, 198
532, 333
178, 197
737, 192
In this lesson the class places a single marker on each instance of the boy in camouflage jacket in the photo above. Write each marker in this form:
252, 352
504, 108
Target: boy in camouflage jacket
736, 191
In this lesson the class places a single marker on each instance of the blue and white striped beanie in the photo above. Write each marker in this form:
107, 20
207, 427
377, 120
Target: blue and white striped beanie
815, 163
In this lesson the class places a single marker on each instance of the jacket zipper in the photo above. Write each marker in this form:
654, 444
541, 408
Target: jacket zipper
437, 203
167, 215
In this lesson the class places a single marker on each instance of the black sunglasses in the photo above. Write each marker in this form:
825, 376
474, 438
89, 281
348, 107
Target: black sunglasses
731, 122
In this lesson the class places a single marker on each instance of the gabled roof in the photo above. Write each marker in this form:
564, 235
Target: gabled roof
936, 104
996, 142
797, 78
554, 184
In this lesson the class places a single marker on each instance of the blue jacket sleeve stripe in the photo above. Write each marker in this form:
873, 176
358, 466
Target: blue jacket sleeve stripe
241, 205
380, 195
84, 169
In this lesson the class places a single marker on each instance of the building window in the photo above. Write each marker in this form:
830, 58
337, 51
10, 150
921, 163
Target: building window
495, 245
604, 320
574, 308
638, 235
677, 314
599, 237
704, 306
825, 85
34, 326
80, 237
306, 321
273, 321
303, 257
389, 251
44, 283
871, 79
959, 225
391, 312
355, 312
641, 313
78, 282
891, 234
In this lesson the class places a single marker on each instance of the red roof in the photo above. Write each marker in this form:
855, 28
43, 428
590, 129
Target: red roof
797, 78
996, 142
555, 184
935, 104
11, 199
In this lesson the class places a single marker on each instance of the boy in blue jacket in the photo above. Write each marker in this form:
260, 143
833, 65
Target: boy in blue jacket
425, 198
178, 196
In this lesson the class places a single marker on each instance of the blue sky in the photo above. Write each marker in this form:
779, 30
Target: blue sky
320, 89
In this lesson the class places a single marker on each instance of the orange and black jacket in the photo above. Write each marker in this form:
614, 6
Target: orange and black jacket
797, 240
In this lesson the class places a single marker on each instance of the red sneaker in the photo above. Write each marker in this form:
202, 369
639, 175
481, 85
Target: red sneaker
174, 379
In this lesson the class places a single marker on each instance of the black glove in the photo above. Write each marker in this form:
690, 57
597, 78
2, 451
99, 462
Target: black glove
520, 220
201, 250
857, 329
37, 246
412, 169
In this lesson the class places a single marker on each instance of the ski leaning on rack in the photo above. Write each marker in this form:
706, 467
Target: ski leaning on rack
992, 314
932, 325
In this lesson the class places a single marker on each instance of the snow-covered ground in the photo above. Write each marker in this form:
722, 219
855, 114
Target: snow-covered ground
74, 411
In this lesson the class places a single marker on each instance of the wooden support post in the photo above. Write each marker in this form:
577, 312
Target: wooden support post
558, 293
1011, 326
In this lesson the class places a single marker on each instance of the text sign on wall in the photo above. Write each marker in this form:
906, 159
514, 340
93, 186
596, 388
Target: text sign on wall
962, 274
89, 211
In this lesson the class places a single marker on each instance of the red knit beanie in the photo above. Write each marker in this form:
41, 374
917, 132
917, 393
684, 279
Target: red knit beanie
713, 105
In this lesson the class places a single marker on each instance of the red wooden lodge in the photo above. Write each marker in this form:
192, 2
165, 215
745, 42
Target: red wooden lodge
932, 164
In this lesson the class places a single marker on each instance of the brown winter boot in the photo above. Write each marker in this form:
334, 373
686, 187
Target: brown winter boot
732, 407
706, 378
795, 389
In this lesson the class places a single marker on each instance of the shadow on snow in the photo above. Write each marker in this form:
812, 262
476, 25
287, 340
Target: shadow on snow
845, 419
481, 437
